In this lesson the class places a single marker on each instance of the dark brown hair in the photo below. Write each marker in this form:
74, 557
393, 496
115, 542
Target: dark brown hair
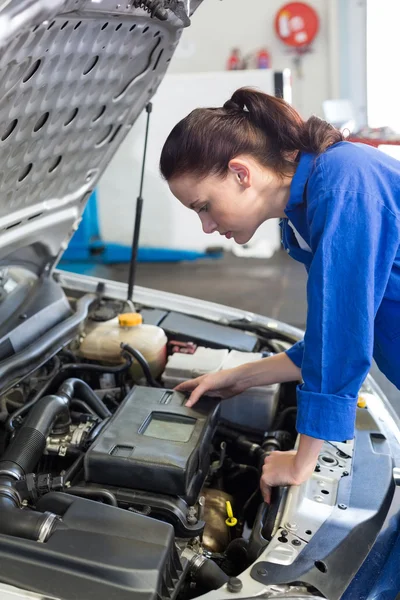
252, 123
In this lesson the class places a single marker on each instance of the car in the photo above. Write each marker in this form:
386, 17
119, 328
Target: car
110, 487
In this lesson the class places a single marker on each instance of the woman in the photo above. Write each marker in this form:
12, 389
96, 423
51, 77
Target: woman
255, 159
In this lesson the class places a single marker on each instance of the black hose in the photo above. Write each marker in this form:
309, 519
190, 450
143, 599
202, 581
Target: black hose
76, 388
92, 368
33, 354
85, 408
27, 524
210, 576
27, 447
100, 493
251, 449
10, 425
74, 469
143, 363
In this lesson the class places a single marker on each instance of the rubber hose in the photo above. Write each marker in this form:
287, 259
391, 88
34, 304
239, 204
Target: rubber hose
25, 523
74, 469
210, 576
76, 388
85, 408
100, 493
27, 447
241, 442
143, 363
10, 425
99, 368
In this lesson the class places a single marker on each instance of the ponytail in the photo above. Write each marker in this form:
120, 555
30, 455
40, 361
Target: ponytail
250, 122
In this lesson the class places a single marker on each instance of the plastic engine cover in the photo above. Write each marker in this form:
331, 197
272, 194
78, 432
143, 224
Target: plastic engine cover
96, 552
155, 443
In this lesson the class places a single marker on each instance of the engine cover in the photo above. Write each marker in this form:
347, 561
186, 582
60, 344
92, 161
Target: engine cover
155, 443
96, 551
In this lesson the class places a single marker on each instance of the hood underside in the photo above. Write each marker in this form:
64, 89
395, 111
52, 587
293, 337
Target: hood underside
74, 77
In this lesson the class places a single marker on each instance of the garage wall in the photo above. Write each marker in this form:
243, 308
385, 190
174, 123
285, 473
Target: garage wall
220, 25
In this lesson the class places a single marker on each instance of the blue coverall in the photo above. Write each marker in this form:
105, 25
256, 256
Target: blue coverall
344, 209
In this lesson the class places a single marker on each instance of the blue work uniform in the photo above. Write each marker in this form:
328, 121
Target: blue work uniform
343, 223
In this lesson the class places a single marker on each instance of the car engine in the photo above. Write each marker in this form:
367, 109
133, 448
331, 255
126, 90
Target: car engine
106, 474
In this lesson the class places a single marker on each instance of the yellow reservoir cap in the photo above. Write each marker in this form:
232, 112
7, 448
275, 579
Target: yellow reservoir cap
231, 521
362, 403
130, 319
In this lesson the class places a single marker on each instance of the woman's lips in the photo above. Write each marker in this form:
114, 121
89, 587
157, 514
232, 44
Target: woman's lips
228, 235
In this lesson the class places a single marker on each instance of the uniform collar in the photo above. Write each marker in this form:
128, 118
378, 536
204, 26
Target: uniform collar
303, 171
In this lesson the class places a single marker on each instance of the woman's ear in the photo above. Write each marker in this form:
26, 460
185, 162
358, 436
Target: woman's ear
241, 171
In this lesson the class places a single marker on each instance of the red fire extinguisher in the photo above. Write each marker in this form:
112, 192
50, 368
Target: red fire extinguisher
263, 59
234, 60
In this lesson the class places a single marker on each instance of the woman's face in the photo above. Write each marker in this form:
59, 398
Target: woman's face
237, 204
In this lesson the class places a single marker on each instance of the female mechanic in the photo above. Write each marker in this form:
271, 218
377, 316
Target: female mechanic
255, 159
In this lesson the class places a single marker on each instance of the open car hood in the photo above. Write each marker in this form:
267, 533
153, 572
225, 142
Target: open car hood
74, 76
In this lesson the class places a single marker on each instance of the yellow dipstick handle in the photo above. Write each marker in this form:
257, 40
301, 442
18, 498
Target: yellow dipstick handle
231, 521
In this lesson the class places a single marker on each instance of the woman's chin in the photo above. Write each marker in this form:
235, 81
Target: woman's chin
242, 238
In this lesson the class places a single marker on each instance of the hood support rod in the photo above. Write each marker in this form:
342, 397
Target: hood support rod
138, 217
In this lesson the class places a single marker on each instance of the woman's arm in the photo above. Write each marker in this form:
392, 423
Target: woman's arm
273, 369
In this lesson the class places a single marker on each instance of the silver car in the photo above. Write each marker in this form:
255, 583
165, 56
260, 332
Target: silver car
110, 487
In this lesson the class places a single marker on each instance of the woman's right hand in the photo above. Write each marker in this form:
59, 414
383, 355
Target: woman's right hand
222, 384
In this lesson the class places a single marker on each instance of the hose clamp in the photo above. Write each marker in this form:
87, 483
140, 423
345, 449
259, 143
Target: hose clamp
10, 492
10, 473
195, 560
47, 527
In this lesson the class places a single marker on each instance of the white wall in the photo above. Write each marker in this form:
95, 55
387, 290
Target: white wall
166, 223
352, 20
218, 26
383, 85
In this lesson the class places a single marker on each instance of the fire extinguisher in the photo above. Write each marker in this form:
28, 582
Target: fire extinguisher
263, 59
234, 60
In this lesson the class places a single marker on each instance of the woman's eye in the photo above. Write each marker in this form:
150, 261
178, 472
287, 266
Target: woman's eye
202, 209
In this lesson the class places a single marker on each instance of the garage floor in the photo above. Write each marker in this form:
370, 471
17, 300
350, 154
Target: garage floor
274, 287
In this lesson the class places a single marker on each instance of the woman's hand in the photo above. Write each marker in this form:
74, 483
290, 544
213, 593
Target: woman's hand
280, 469
290, 468
223, 384
230, 382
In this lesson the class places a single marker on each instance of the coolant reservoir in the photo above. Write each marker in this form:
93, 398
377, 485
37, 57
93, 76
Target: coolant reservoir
103, 343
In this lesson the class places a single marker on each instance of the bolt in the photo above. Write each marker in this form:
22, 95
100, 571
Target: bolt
191, 516
345, 473
317, 469
318, 499
291, 526
284, 533
296, 542
283, 540
234, 585
23, 316
342, 506
262, 572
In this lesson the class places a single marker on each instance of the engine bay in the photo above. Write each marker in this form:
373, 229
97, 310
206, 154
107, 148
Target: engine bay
107, 475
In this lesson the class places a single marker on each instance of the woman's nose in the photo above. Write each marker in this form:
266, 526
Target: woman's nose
209, 226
